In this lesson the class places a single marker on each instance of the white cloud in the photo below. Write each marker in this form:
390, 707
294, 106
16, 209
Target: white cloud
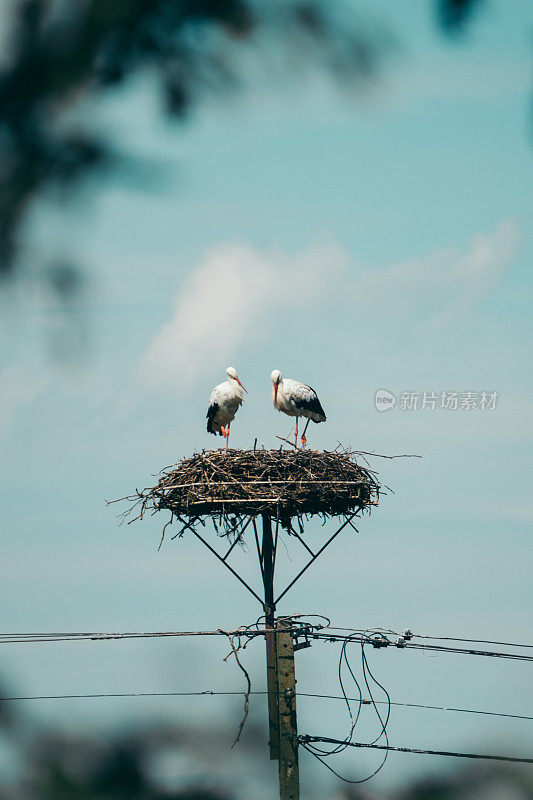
238, 293
19, 386
233, 294
447, 282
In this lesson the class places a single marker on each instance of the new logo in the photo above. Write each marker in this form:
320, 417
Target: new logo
384, 400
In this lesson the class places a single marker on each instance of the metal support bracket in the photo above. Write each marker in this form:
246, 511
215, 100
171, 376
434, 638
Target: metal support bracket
346, 522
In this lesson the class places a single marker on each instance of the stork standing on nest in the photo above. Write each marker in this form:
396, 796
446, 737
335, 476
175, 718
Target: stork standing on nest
296, 400
223, 404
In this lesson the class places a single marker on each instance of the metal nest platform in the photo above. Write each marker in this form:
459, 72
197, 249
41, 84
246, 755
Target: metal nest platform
280, 489
283, 484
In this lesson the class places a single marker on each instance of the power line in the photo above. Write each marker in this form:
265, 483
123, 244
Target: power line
428, 636
305, 740
379, 640
76, 636
119, 694
212, 692
471, 641
377, 637
421, 706
468, 651
32, 638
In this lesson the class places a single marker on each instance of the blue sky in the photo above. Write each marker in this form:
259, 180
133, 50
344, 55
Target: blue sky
355, 242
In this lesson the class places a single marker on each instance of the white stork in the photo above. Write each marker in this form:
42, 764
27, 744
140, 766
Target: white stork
296, 400
223, 404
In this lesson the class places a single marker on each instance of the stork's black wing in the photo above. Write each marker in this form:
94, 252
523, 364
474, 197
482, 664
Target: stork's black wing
210, 416
308, 401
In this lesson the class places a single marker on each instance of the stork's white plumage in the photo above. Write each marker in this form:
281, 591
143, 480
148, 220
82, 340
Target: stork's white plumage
223, 404
296, 400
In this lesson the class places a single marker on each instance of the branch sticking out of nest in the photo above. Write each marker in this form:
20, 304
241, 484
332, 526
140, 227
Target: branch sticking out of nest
234, 484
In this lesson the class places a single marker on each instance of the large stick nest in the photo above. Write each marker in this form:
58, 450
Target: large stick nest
284, 484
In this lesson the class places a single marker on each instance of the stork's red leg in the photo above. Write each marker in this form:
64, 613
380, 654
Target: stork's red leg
296, 434
304, 440
227, 435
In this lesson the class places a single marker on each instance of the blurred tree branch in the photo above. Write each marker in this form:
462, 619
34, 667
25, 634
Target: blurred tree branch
61, 50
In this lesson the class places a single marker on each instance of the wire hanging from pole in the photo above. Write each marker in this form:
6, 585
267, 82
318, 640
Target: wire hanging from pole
340, 745
305, 739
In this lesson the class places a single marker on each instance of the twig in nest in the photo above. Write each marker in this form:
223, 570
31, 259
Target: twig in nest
380, 455
292, 444
235, 652
165, 526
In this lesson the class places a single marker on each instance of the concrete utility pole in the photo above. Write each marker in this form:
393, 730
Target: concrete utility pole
289, 774
281, 680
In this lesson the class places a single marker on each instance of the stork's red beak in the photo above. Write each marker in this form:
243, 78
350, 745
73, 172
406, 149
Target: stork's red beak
240, 384
275, 393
